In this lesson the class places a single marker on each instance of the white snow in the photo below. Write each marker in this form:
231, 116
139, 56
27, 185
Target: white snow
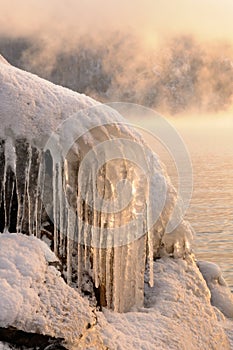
33, 107
178, 314
3, 60
33, 296
221, 296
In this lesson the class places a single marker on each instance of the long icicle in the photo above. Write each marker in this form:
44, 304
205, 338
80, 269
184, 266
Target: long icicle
9, 179
55, 207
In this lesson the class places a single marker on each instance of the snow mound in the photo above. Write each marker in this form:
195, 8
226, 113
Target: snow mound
178, 314
33, 296
35, 106
221, 296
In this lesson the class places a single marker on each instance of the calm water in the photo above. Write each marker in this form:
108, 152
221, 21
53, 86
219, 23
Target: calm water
211, 207
211, 210
210, 145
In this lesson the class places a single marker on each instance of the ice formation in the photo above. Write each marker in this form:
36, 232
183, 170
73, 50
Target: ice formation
72, 170
221, 295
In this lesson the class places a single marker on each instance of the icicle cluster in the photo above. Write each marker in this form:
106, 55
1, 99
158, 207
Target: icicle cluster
91, 187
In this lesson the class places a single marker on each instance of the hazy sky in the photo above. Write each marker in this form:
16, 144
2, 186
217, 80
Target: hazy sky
211, 19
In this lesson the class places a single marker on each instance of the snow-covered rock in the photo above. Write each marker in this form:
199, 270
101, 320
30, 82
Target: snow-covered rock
221, 296
32, 107
177, 314
33, 296
74, 170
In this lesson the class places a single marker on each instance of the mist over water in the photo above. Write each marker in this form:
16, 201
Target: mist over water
180, 74
210, 145
171, 56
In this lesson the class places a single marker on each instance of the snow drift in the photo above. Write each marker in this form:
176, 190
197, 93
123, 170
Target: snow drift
33, 297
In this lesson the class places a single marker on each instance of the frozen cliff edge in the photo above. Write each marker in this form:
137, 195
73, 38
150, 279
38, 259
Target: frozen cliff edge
41, 194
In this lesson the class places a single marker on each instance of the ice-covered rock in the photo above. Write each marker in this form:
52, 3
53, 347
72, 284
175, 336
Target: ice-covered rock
68, 165
221, 295
48, 182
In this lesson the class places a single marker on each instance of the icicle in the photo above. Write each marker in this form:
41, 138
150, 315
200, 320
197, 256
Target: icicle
150, 255
117, 279
150, 242
70, 242
81, 227
80, 211
22, 150
8, 195
87, 233
140, 264
61, 209
9, 179
73, 228
109, 281
96, 230
55, 207
80, 269
2, 169
33, 188
40, 195
96, 265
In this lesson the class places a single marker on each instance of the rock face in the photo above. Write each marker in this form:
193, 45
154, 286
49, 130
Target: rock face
72, 172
